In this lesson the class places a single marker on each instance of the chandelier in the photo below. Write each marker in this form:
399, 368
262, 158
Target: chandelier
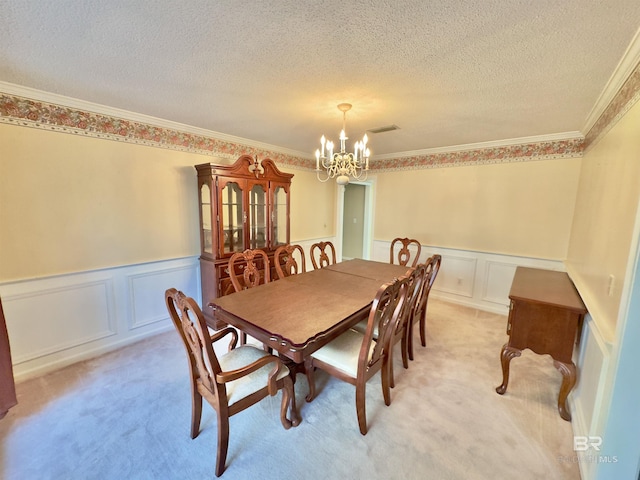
342, 165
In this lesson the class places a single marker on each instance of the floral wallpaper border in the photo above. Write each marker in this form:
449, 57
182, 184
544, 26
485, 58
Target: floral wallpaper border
626, 97
26, 112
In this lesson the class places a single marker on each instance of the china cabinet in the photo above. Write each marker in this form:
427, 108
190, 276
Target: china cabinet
242, 206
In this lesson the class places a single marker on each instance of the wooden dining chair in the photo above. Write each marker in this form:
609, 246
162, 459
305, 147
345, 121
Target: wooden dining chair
319, 253
286, 263
402, 254
232, 382
415, 283
355, 357
432, 266
252, 275
401, 333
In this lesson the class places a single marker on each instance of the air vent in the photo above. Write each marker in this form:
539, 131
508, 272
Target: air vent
387, 128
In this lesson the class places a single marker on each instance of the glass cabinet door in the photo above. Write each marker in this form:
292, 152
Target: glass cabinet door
206, 217
232, 219
258, 216
279, 233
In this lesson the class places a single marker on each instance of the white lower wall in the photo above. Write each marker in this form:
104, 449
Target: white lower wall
588, 397
56, 321
475, 279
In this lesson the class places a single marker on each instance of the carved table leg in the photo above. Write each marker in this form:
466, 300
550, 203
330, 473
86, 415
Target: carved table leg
568, 371
507, 354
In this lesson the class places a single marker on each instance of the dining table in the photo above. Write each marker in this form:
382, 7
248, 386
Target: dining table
298, 314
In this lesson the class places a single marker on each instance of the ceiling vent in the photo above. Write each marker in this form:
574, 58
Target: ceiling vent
387, 128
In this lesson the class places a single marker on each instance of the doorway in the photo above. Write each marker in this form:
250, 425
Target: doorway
354, 227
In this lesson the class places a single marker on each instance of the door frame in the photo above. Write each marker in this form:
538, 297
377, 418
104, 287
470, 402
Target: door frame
369, 204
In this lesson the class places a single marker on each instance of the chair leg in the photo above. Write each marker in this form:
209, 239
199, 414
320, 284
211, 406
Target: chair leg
223, 442
410, 341
389, 365
309, 368
289, 403
405, 353
386, 375
361, 406
196, 412
423, 327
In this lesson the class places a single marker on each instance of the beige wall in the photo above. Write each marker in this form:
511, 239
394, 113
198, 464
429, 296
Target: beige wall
70, 203
313, 206
608, 195
522, 208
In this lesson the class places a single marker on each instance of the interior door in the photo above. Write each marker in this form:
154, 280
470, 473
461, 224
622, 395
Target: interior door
353, 221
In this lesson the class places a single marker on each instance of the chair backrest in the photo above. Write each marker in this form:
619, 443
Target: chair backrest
436, 260
431, 268
403, 255
290, 266
384, 314
251, 276
319, 255
192, 327
415, 286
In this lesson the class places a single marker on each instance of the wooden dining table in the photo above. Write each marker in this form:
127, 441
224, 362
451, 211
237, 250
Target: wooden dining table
299, 314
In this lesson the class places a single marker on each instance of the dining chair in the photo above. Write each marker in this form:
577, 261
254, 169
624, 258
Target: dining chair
319, 253
401, 253
286, 263
252, 274
432, 266
355, 357
232, 382
401, 333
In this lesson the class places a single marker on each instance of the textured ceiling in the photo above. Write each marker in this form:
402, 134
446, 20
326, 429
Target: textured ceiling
447, 73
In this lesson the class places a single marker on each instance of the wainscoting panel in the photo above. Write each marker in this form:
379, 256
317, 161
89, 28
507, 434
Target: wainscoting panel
475, 279
587, 399
37, 333
145, 290
56, 321
497, 282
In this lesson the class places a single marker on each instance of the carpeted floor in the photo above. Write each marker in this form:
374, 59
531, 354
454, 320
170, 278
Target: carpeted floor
125, 415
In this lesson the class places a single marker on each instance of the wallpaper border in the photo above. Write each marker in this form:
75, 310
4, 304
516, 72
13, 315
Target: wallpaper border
26, 112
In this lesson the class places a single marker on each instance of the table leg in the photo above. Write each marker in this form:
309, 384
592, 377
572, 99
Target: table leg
568, 371
507, 354
294, 368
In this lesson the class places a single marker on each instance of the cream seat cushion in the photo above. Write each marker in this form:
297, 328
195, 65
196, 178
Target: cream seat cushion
241, 357
343, 352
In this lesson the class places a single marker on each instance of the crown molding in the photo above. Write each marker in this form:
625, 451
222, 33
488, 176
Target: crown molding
627, 64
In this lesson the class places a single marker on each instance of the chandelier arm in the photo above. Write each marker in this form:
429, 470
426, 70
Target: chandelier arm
320, 179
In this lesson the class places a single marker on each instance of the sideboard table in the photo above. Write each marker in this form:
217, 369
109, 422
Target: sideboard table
545, 314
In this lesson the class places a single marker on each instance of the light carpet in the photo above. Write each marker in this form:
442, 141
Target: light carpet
126, 415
